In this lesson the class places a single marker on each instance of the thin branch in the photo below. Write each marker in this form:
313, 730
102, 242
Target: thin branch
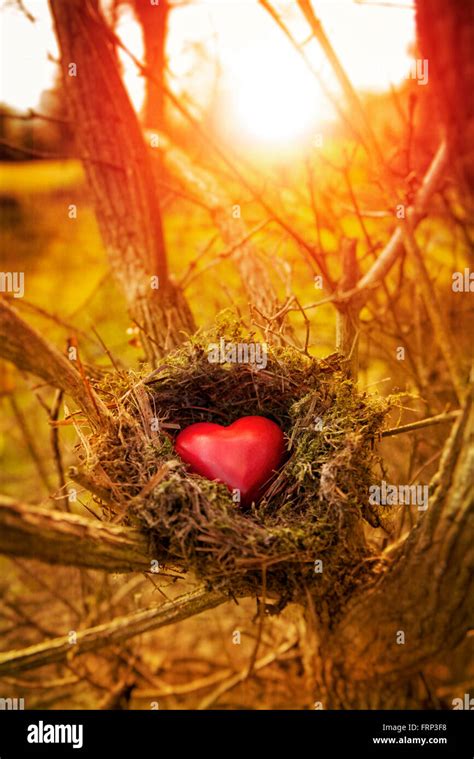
312, 256
55, 442
234, 231
30, 115
87, 482
72, 328
241, 676
261, 604
450, 416
344, 81
21, 7
333, 99
120, 629
164, 689
30, 443
347, 322
394, 247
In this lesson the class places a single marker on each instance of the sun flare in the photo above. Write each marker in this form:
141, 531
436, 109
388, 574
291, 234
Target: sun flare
274, 94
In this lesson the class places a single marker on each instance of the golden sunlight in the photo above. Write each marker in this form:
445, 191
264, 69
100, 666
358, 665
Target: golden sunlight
226, 56
274, 94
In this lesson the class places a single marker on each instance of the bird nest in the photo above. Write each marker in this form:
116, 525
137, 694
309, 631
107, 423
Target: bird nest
306, 532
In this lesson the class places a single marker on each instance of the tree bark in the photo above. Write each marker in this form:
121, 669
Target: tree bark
446, 39
427, 593
70, 540
120, 176
153, 20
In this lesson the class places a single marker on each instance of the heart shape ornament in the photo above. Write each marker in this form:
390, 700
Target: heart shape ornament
243, 455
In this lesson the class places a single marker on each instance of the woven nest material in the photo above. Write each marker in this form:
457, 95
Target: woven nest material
306, 533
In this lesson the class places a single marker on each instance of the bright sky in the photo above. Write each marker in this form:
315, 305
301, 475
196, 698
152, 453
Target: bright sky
264, 90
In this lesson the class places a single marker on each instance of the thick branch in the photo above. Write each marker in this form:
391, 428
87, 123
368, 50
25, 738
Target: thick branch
153, 18
428, 591
120, 175
120, 629
29, 351
70, 540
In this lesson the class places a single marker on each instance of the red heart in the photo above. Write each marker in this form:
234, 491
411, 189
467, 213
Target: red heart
243, 455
